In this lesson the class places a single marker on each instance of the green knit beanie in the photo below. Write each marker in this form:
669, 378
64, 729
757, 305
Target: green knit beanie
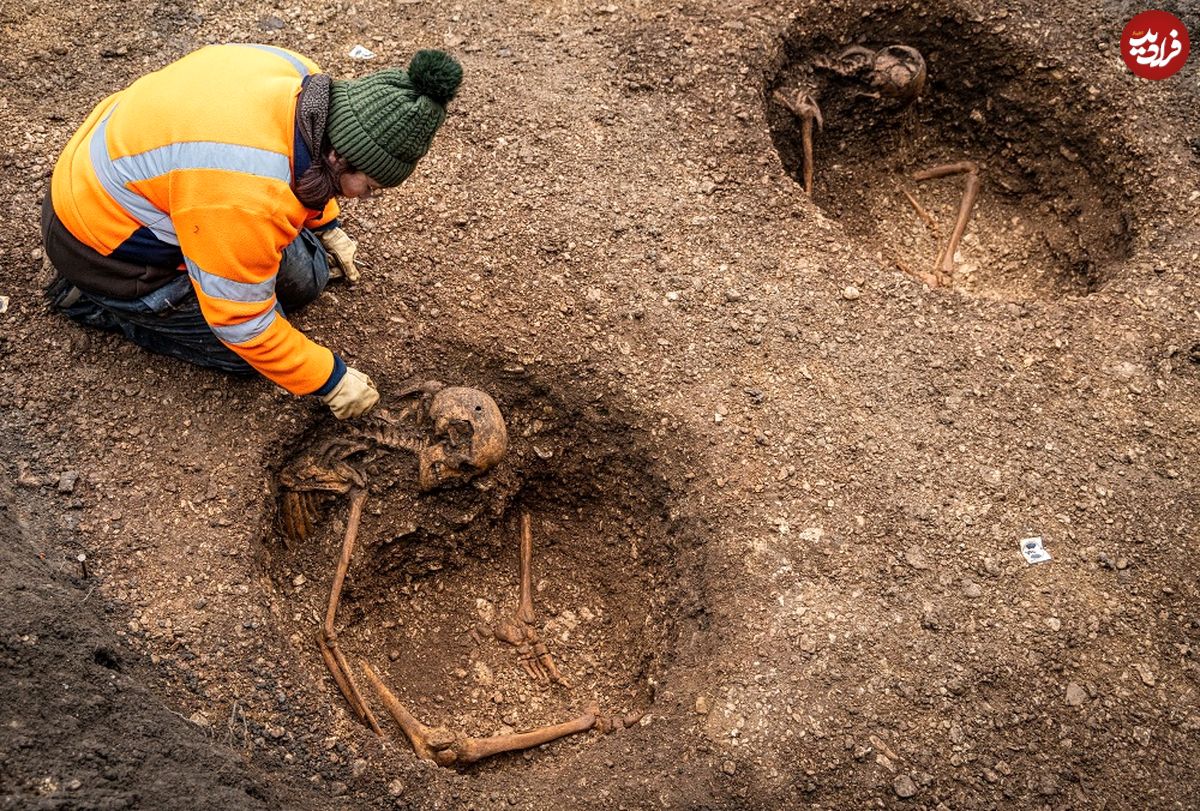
384, 122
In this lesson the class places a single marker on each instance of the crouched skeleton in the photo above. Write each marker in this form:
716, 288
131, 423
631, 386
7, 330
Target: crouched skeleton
456, 434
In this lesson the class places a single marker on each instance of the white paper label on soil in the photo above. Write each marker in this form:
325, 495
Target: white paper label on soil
3, 304
1032, 549
359, 52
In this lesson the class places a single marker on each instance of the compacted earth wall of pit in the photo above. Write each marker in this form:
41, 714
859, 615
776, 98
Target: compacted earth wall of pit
1052, 218
616, 571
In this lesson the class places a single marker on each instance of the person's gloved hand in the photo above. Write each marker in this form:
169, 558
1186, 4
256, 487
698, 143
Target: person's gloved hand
354, 395
341, 249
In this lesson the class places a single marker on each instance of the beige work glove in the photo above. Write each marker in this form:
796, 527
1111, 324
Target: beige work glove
341, 249
353, 396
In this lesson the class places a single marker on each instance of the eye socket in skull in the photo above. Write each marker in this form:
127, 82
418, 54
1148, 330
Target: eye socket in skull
468, 437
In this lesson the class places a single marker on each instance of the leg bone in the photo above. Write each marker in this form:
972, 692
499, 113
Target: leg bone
331, 652
446, 748
470, 750
970, 192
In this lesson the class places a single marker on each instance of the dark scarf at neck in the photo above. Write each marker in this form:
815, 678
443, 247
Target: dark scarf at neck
312, 112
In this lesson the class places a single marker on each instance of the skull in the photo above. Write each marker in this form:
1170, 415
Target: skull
899, 72
468, 437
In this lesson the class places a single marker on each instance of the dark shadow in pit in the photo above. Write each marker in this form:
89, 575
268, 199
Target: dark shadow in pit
616, 570
1052, 217
83, 721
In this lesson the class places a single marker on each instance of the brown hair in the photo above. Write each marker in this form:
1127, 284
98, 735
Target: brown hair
321, 181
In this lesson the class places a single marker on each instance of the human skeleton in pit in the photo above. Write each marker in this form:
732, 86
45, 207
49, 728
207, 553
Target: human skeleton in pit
456, 434
894, 73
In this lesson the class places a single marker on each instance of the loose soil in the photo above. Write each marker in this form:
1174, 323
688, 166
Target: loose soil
777, 484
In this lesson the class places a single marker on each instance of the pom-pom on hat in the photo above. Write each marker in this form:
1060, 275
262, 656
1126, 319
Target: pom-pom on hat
384, 122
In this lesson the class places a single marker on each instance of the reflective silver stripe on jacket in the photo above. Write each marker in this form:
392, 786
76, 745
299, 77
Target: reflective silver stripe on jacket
136, 206
216, 286
114, 175
296, 63
247, 160
247, 330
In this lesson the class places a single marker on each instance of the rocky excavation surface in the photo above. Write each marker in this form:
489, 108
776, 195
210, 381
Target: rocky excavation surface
778, 484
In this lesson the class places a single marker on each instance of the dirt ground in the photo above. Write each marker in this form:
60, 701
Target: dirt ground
777, 483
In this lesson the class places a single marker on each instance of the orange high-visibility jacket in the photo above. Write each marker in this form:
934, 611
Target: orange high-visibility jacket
201, 154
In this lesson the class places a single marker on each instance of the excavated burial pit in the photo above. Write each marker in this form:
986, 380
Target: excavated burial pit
611, 567
1051, 219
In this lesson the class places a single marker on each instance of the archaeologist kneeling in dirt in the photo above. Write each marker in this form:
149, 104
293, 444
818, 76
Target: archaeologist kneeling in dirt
195, 209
